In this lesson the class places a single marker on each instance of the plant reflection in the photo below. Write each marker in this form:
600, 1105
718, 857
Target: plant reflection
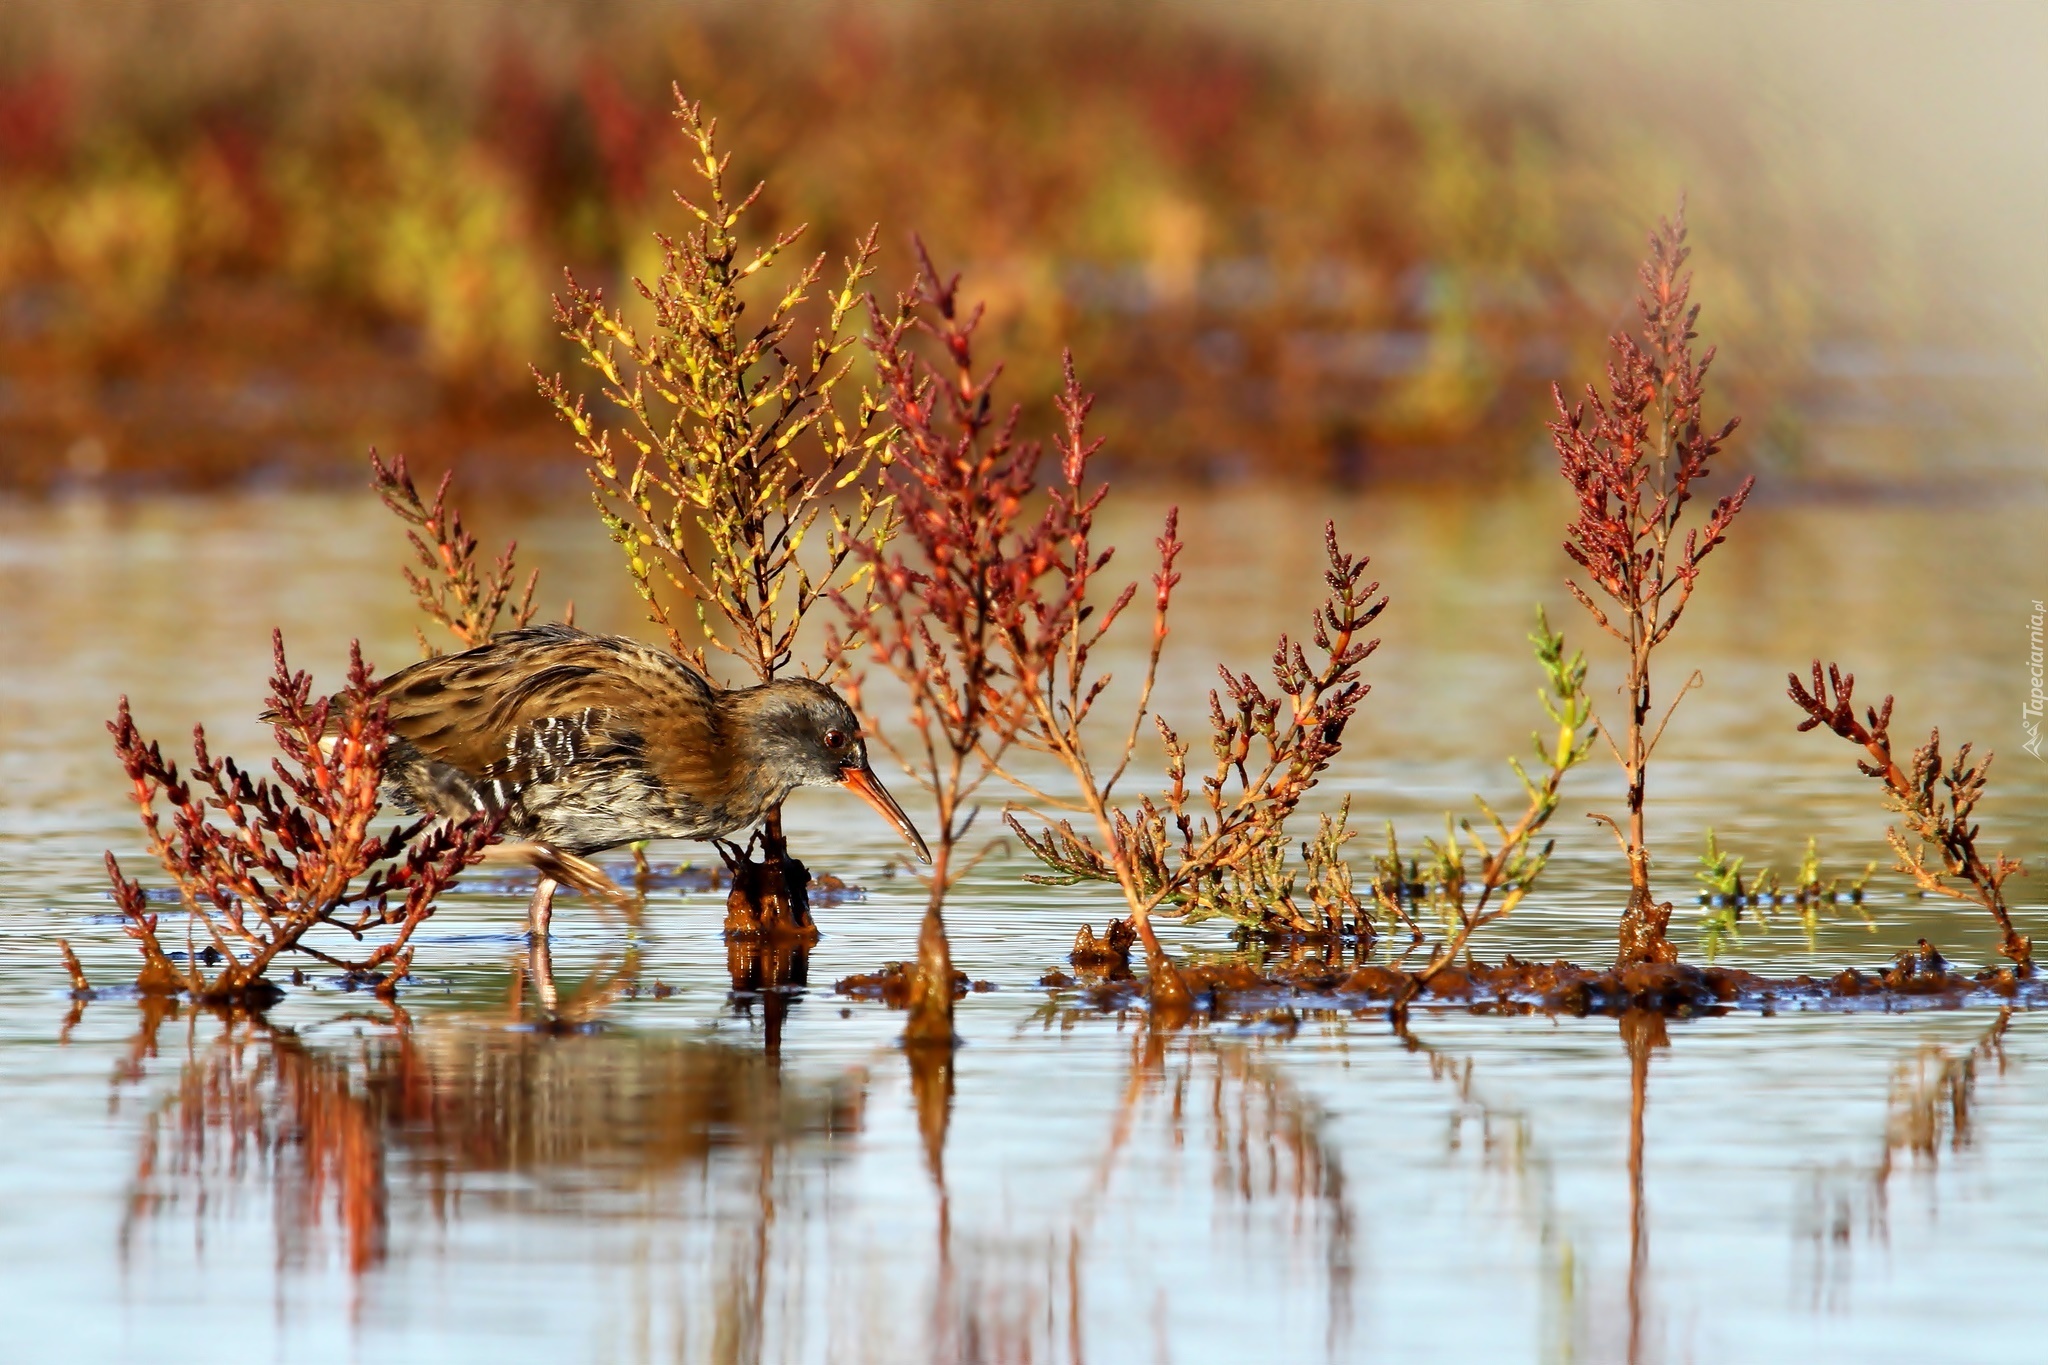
717, 1165
1930, 1109
409, 1114
1186, 1093
1642, 1032
761, 1215
770, 972
1508, 1147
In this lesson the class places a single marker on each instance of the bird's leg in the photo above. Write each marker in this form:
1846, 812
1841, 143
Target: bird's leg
542, 965
541, 909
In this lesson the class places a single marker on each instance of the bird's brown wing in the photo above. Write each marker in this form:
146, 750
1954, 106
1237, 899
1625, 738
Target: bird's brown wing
531, 703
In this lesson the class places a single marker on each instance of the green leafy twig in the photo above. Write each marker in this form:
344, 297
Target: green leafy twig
1507, 859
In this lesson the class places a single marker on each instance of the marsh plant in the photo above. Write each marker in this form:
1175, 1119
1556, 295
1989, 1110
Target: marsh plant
991, 632
1186, 848
260, 864
1316, 899
960, 480
1505, 859
1937, 803
747, 478
1048, 640
1720, 876
1633, 458
731, 459
451, 584
1723, 882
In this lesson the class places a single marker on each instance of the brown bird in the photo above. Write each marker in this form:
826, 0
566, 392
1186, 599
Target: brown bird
581, 742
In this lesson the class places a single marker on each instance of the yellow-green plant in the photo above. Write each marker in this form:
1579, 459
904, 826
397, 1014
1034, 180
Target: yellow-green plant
1471, 896
1720, 877
1395, 883
1270, 896
722, 452
730, 462
1812, 889
1725, 890
1720, 872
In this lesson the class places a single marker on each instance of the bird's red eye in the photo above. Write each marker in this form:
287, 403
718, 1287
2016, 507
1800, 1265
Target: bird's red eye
835, 739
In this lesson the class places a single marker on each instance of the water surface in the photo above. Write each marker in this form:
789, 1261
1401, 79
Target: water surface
699, 1175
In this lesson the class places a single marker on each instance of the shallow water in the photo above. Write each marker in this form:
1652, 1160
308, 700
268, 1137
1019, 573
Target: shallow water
701, 1176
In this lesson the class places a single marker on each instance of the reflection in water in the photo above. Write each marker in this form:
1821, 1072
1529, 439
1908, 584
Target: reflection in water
720, 1161
1642, 1031
1929, 1112
1931, 1095
339, 1133
258, 1100
735, 1180
1029, 1200
1188, 1099
610, 979
771, 973
1508, 1147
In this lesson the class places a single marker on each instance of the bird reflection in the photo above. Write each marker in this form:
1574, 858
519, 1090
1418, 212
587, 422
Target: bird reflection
713, 1161
581, 1116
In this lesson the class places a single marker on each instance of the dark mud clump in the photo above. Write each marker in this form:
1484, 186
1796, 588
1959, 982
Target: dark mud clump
827, 889
891, 985
1109, 955
1101, 965
1917, 979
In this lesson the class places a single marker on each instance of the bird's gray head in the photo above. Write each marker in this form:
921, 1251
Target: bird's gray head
803, 734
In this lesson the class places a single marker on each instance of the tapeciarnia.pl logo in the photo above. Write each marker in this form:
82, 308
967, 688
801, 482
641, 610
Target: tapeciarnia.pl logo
2030, 714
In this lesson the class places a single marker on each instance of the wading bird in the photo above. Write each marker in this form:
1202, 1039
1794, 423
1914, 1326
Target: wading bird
579, 743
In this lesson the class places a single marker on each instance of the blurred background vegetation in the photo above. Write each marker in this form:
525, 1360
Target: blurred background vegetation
242, 240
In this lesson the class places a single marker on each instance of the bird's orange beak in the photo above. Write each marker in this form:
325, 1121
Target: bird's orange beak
862, 782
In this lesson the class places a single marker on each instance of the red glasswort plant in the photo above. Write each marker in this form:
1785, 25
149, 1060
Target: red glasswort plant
259, 865
993, 631
1048, 639
959, 478
452, 587
1185, 846
1632, 459
1939, 820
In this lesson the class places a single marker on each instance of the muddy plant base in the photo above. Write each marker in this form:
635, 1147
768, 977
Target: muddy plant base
1111, 953
892, 985
1645, 928
1916, 981
770, 900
